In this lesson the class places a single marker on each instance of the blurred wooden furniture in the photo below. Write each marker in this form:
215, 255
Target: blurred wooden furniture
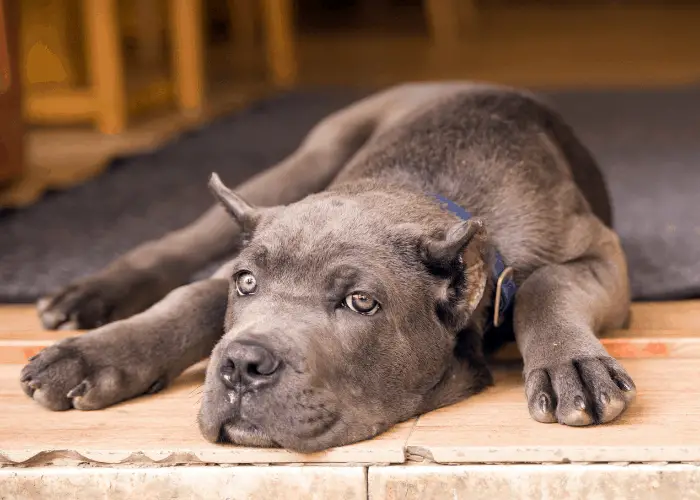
187, 53
280, 46
11, 128
105, 99
447, 19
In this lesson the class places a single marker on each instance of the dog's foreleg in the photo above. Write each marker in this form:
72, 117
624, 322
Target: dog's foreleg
560, 309
138, 355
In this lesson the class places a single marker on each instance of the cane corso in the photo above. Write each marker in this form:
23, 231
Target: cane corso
372, 272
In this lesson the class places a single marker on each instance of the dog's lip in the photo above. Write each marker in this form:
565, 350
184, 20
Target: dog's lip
241, 432
246, 431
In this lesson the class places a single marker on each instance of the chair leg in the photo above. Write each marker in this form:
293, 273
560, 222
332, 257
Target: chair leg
444, 21
105, 64
186, 30
12, 132
149, 27
280, 46
242, 15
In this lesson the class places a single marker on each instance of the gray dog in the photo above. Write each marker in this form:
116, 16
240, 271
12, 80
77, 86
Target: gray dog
373, 271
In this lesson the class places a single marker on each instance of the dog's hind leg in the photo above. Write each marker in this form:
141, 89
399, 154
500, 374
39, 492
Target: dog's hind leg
144, 275
559, 310
134, 356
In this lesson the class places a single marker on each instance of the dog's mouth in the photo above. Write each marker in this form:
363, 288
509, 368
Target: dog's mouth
242, 433
237, 431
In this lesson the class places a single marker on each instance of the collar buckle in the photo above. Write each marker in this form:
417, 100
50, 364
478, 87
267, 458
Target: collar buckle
497, 318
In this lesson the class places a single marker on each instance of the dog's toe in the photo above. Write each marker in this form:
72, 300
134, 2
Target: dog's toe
579, 392
79, 306
540, 397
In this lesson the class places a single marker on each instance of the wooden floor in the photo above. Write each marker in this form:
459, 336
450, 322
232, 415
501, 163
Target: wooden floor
661, 350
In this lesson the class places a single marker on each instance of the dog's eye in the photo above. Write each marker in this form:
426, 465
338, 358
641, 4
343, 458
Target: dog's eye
246, 284
362, 303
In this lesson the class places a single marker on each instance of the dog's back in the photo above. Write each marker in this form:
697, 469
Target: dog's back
498, 152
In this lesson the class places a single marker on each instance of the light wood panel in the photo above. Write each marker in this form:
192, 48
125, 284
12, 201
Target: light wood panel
160, 429
16, 347
18, 318
495, 427
21, 334
492, 427
678, 315
646, 317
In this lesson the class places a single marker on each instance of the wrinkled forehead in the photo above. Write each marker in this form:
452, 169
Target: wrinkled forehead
332, 234
329, 224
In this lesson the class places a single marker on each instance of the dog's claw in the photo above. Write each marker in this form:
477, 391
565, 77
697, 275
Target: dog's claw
78, 390
624, 385
157, 386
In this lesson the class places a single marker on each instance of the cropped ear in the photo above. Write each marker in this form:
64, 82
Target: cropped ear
463, 256
244, 213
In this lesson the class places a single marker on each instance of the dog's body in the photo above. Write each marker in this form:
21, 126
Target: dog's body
354, 300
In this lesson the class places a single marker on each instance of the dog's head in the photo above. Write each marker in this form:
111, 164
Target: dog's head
348, 312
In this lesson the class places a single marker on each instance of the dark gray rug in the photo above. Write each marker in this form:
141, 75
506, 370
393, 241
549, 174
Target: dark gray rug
648, 143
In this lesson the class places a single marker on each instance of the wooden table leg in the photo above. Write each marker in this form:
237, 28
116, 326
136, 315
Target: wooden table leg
105, 64
11, 125
186, 29
280, 45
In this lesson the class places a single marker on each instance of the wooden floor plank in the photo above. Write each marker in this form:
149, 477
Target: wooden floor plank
495, 427
645, 316
18, 347
18, 318
658, 330
160, 428
678, 315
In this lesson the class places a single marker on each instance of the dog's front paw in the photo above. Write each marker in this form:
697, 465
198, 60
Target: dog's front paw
100, 299
80, 373
583, 391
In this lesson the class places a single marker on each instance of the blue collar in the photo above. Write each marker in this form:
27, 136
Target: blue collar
502, 275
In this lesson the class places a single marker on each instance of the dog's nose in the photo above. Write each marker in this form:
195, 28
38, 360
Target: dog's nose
249, 366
